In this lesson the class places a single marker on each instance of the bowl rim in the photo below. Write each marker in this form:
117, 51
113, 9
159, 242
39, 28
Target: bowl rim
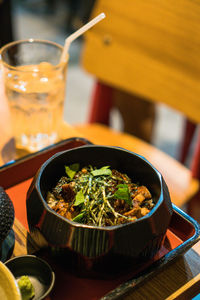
24, 257
103, 228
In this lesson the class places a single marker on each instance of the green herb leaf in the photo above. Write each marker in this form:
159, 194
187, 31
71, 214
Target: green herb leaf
123, 193
121, 185
71, 170
102, 171
79, 198
79, 217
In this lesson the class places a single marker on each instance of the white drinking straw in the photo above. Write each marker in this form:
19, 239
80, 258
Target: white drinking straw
77, 33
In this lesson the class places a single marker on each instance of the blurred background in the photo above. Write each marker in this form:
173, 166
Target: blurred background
55, 20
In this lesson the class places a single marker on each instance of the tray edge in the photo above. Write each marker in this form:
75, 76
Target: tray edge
129, 285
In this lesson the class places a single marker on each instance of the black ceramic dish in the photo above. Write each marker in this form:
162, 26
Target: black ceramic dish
39, 272
7, 215
99, 250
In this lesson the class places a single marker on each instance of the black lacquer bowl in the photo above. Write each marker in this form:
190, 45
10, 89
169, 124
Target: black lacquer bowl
91, 250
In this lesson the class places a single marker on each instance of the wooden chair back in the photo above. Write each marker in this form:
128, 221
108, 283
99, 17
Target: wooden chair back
149, 48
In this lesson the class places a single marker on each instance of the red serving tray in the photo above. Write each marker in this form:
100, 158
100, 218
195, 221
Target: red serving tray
182, 234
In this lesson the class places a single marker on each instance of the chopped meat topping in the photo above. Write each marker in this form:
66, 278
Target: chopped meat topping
100, 197
67, 192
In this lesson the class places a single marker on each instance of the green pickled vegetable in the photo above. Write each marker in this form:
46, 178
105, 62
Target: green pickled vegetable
26, 288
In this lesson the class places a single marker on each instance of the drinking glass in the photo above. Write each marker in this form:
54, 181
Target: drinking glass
34, 82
